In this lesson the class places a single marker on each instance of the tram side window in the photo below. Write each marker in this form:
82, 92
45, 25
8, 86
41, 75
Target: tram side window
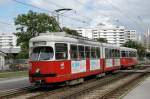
97, 52
93, 52
61, 51
113, 53
130, 54
81, 52
127, 53
123, 54
134, 55
118, 53
73, 52
107, 53
87, 51
110, 53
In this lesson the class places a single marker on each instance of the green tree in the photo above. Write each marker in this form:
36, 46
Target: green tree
102, 40
133, 44
30, 25
70, 31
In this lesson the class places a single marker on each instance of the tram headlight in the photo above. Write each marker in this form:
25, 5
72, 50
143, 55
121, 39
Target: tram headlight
37, 70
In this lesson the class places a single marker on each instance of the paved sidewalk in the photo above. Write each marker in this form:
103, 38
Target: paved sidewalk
14, 83
140, 92
9, 78
6, 80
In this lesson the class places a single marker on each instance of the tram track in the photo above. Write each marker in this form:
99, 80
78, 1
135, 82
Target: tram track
66, 92
71, 91
81, 90
14, 92
120, 92
110, 90
53, 92
97, 90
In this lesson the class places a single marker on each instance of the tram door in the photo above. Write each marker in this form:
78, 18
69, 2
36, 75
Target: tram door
95, 58
112, 57
116, 56
108, 58
78, 61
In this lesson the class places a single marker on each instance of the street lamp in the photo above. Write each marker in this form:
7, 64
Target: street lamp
58, 13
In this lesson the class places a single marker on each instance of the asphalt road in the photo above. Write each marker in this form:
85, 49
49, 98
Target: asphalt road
14, 83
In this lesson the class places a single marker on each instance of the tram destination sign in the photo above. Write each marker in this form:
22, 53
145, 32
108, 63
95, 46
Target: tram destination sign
39, 43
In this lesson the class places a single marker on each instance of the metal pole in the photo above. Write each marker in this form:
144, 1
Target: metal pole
58, 18
57, 13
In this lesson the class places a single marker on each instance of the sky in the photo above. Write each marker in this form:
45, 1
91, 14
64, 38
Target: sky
133, 14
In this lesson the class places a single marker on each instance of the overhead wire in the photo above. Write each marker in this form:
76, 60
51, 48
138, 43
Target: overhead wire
87, 17
79, 2
96, 10
116, 8
5, 23
121, 12
27, 4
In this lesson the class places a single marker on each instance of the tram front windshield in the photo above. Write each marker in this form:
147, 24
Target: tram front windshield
42, 53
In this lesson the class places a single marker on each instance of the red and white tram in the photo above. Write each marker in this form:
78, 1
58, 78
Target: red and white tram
128, 57
63, 58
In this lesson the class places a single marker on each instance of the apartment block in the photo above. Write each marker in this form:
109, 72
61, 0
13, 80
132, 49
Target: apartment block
117, 35
8, 43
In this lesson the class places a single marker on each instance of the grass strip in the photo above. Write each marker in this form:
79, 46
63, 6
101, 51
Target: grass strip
13, 74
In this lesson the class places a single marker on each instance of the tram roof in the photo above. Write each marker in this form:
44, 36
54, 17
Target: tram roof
110, 45
55, 37
128, 49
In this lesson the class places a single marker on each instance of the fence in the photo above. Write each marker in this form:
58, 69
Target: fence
15, 65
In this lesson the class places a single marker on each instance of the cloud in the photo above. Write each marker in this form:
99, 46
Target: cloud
133, 14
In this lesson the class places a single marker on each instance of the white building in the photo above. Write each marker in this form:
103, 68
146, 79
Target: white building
146, 40
8, 43
114, 35
86, 32
7, 40
131, 35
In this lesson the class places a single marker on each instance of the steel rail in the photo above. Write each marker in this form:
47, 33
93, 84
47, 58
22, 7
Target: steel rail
4, 94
